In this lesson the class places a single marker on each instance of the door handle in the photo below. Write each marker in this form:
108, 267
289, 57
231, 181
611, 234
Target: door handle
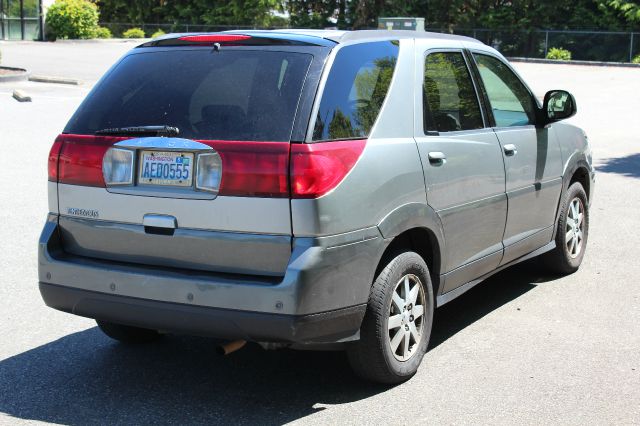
510, 150
437, 158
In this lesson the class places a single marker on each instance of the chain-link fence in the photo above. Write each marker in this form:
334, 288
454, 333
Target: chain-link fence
608, 46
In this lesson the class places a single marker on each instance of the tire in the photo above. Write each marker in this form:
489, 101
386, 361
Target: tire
566, 257
373, 357
128, 334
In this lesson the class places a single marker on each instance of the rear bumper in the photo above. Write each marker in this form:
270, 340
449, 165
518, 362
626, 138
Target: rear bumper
320, 299
326, 327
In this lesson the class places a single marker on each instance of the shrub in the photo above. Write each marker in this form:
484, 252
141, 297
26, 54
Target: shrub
558, 53
72, 19
133, 33
103, 32
636, 60
158, 34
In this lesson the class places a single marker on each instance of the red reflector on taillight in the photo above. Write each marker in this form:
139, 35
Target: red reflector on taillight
52, 164
80, 159
214, 38
318, 168
253, 169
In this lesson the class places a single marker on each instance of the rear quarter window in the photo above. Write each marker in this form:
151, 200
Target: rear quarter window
226, 95
356, 87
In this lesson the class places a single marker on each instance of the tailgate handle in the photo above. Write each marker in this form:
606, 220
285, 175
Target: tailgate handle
159, 224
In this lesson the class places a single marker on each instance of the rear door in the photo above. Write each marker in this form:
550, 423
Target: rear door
532, 158
463, 166
216, 196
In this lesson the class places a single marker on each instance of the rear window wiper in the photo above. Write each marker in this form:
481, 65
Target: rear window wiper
140, 131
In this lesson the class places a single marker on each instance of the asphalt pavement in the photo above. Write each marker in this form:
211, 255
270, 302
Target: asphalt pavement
85, 60
522, 348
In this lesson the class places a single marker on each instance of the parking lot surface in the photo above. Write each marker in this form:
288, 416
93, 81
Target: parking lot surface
521, 348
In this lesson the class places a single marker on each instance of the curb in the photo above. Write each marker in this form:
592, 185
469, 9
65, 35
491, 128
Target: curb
21, 75
582, 63
21, 96
56, 80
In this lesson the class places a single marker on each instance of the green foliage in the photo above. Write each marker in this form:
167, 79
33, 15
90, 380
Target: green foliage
558, 53
158, 33
103, 32
133, 33
450, 15
629, 9
512, 26
636, 60
72, 19
195, 12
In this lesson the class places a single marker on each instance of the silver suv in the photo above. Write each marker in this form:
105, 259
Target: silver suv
307, 189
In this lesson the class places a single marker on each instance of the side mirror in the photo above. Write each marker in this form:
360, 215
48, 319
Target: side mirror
558, 105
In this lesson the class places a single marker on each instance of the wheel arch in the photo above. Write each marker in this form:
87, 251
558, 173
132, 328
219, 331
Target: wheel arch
578, 169
416, 227
582, 176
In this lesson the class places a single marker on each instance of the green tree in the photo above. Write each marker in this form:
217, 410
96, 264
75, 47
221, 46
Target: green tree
315, 14
629, 9
208, 12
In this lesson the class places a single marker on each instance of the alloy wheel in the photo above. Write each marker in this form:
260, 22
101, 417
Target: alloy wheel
574, 228
406, 317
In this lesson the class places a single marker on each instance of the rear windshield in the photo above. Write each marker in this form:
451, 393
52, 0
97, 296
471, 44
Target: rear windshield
224, 95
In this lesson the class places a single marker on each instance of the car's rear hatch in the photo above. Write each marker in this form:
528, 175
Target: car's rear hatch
214, 197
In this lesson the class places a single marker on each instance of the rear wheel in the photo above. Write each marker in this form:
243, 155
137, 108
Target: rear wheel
397, 325
572, 232
127, 333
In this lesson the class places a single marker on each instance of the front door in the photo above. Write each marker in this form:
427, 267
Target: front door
532, 158
463, 167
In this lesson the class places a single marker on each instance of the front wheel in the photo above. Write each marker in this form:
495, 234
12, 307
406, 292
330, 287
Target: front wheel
397, 324
572, 232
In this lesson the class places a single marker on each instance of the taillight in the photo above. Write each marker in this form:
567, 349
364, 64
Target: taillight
253, 169
52, 163
249, 169
80, 159
318, 168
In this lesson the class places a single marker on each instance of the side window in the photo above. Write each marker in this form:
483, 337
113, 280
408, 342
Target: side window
449, 98
355, 90
510, 100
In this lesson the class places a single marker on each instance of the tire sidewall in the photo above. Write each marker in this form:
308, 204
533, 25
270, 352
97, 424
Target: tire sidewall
403, 264
574, 191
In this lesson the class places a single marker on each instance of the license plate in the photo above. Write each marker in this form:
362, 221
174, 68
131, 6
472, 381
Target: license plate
166, 168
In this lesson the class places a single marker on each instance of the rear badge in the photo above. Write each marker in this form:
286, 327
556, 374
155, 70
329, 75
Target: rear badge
73, 211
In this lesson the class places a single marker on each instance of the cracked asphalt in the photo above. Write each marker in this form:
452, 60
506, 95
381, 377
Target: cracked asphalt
522, 348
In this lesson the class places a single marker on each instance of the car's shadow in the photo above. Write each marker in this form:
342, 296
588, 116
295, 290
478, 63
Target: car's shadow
86, 378
627, 166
